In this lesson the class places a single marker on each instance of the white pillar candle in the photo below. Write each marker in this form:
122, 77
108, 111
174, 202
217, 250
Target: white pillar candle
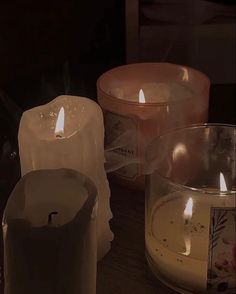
177, 237
47, 143
49, 227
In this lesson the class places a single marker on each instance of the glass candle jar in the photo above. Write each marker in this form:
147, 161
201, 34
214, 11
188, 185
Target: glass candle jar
174, 95
190, 209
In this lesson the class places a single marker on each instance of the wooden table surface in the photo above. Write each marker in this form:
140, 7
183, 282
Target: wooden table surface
124, 269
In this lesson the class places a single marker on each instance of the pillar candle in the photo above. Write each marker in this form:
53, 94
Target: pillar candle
49, 227
74, 140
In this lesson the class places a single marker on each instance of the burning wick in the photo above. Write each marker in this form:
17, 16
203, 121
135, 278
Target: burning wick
59, 129
223, 187
188, 210
50, 217
141, 97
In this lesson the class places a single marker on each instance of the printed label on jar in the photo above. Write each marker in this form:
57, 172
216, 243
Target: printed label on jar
222, 251
121, 140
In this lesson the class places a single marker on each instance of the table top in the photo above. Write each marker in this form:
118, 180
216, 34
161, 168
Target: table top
124, 269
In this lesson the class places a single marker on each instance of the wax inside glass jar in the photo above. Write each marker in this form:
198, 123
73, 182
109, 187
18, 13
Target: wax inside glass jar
170, 228
156, 92
178, 246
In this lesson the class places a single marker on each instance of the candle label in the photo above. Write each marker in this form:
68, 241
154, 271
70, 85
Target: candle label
121, 134
222, 251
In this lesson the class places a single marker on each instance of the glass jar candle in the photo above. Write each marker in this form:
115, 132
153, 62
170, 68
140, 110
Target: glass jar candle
174, 95
190, 209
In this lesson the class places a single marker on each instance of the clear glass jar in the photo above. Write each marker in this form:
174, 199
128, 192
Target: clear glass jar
190, 209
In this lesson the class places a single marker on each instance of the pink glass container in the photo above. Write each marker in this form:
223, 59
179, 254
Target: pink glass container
175, 96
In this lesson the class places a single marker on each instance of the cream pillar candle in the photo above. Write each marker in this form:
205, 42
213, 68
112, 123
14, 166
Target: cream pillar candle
74, 140
49, 227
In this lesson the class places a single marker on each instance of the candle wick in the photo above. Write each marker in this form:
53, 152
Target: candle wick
50, 217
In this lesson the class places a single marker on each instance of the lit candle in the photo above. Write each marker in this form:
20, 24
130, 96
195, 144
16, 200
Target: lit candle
68, 132
59, 129
49, 227
171, 96
179, 235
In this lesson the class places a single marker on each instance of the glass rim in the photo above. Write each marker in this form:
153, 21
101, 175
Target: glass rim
189, 188
103, 76
194, 126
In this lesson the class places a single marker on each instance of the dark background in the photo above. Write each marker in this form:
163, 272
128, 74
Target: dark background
41, 41
45, 44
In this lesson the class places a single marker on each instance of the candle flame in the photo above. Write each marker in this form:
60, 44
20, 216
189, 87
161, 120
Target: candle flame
188, 212
223, 187
141, 96
59, 129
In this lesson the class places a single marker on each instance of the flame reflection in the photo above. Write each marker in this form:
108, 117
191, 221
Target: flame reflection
179, 150
187, 242
188, 212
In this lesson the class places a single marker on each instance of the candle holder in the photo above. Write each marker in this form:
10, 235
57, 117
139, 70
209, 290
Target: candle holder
49, 229
174, 95
190, 209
